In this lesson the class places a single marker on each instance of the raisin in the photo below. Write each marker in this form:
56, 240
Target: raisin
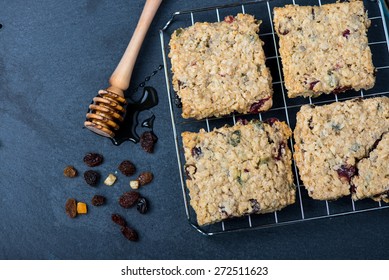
346, 171
242, 121
142, 205
71, 208
229, 19
196, 151
128, 199
119, 220
255, 205
312, 84
145, 177
127, 168
129, 233
92, 177
148, 140
255, 108
341, 89
93, 159
310, 123
70, 171
98, 200
346, 33
271, 121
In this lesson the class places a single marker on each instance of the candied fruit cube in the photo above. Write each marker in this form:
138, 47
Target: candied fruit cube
110, 180
134, 184
81, 208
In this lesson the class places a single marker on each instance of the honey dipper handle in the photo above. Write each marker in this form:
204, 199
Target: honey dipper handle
120, 78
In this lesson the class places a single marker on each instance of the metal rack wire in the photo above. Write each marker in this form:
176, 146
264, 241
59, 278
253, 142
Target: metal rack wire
305, 208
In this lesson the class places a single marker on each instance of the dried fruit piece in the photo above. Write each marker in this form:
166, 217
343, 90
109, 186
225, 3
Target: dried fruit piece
93, 159
312, 84
145, 177
346, 33
196, 151
119, 220
81, 208
92, 177
98, 200
148, 140
134, 184
110, 180
255, 206
71, 207
127, 168
271, 121
142, 206
70, 171
129, 233
346, 171
229, 19
255, 108
128, 199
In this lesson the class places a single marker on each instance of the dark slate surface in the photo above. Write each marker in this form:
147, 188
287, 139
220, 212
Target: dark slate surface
54, 56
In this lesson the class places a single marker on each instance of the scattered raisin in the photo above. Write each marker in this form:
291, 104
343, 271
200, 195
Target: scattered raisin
242, 121
255, 108
145, 177
147, 141
119, 220
312, 84
255, 205
129, 233
71, 208
196, 151
127, 168
98, 200
346, 33
70, 171
341, 89
310, 125
128, 199
271, 121
93, 159
142, 205
229, 19
92, 177
346, 171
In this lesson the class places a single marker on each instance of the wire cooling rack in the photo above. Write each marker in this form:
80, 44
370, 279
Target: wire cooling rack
284, 108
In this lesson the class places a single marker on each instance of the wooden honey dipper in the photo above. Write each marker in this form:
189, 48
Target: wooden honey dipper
108, 108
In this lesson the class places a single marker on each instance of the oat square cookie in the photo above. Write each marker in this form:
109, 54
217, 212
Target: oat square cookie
239, 170
342, 148
219, 68
324, 49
